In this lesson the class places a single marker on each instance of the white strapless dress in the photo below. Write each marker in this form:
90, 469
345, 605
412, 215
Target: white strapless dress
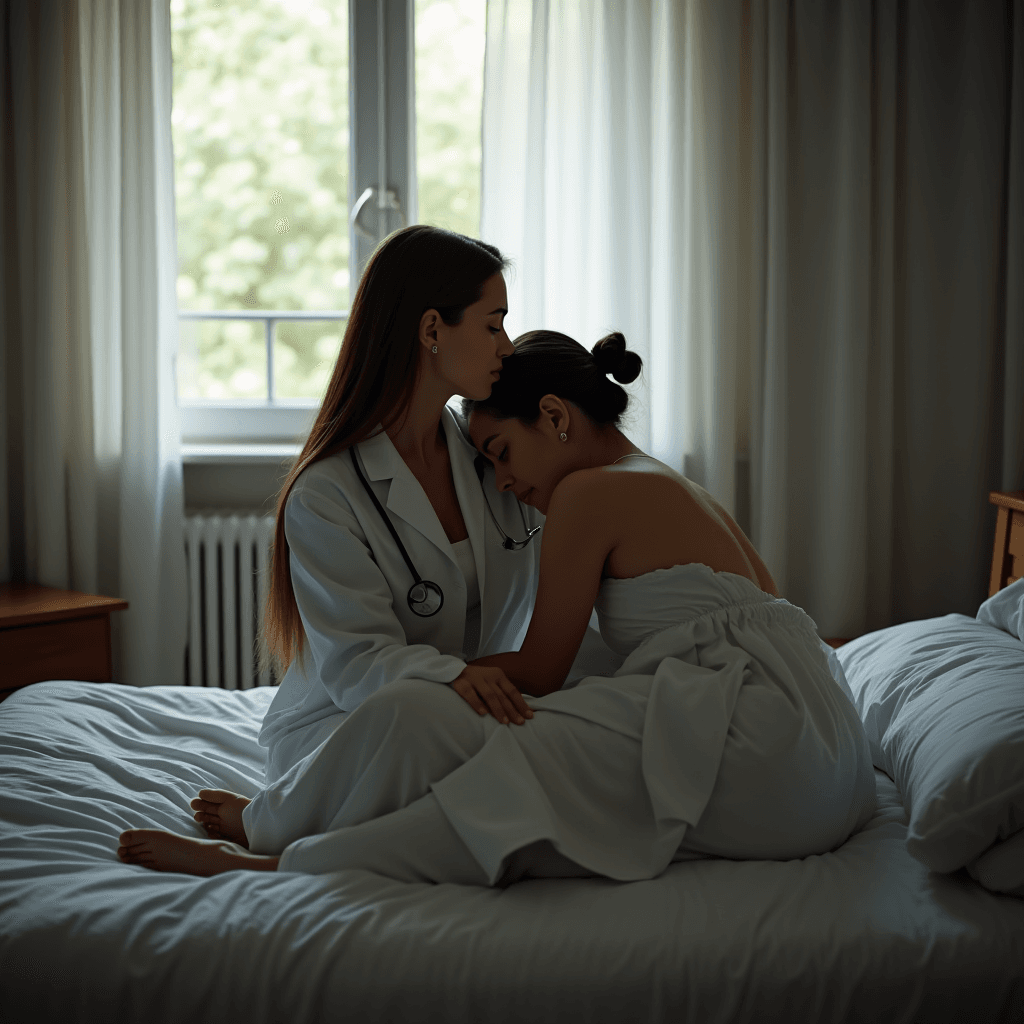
725, 733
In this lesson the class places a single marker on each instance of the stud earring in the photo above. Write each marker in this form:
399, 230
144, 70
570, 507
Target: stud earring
562, 436
434, 350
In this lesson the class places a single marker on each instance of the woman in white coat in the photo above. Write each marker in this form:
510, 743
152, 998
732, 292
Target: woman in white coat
426, 323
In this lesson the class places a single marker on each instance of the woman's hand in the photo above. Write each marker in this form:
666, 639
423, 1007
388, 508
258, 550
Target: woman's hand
484, 688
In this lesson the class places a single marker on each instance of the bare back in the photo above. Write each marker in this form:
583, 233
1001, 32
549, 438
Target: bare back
658, 518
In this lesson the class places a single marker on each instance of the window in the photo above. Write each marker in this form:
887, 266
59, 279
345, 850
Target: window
304, 132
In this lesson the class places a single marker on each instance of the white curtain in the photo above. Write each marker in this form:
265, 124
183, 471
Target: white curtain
91, 471
808, 218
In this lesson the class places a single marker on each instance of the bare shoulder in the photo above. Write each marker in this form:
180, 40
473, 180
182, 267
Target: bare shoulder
610, 499
590, 494
616, 483
574, 490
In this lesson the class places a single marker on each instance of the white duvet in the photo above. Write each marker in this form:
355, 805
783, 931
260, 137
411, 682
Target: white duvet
865, 933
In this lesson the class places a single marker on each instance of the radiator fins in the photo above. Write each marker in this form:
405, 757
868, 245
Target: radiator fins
228, 558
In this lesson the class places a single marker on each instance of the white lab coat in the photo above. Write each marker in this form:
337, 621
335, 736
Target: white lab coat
351, 582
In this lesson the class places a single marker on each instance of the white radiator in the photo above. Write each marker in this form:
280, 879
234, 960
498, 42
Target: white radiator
228, 556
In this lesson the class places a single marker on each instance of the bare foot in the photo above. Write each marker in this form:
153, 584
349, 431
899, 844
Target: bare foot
220, 813
164, 851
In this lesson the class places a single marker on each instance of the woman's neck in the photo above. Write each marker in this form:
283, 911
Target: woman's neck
421, 440
608, 446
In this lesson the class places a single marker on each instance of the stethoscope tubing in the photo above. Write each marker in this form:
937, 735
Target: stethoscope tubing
387, 520
425, 587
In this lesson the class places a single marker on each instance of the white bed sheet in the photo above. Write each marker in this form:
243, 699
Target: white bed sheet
865, 933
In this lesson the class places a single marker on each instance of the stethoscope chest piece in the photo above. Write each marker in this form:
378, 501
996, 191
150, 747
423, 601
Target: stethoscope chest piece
425, 598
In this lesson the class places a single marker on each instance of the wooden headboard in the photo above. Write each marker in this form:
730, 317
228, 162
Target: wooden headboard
1008, 551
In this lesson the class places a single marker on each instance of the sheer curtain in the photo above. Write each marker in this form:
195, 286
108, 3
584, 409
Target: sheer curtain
809, 220
88, 261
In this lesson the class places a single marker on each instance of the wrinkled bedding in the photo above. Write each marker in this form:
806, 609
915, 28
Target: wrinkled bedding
864, 933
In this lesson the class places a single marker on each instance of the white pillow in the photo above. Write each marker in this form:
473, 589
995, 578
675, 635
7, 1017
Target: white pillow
1005, 610
942, 702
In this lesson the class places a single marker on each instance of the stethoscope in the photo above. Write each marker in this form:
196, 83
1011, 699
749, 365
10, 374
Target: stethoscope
425, 597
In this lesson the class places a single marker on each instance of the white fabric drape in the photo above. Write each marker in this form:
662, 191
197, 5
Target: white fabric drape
809, 220
93, 498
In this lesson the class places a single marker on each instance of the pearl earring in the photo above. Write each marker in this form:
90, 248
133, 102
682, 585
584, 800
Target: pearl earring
562, 436
434, 350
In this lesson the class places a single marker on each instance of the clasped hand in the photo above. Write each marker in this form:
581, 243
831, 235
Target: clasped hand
486, 688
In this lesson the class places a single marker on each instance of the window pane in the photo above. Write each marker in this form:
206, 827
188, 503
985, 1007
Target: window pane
304, 355
220, 359
260, 125
449, 92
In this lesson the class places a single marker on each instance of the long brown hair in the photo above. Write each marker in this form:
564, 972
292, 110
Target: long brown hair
411, 271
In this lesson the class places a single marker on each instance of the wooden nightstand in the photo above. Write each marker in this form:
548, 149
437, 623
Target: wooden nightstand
53, 634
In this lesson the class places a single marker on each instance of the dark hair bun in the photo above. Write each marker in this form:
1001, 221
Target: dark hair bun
611, 356
547, 362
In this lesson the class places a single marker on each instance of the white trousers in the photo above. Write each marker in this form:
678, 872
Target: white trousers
381, 757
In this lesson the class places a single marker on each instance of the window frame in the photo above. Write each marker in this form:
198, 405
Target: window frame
382, 172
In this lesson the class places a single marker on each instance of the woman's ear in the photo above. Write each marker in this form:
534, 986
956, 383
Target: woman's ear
428, 328
554, 413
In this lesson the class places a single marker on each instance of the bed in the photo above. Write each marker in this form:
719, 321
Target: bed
868, 932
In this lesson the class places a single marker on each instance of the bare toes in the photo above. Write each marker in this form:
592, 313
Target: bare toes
216, 796
210, 825
136, 855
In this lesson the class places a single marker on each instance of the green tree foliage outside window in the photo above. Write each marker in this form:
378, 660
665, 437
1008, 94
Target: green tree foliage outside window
260, 126
449, 103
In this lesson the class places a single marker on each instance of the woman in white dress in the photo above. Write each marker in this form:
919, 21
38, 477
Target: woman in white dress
726, 732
